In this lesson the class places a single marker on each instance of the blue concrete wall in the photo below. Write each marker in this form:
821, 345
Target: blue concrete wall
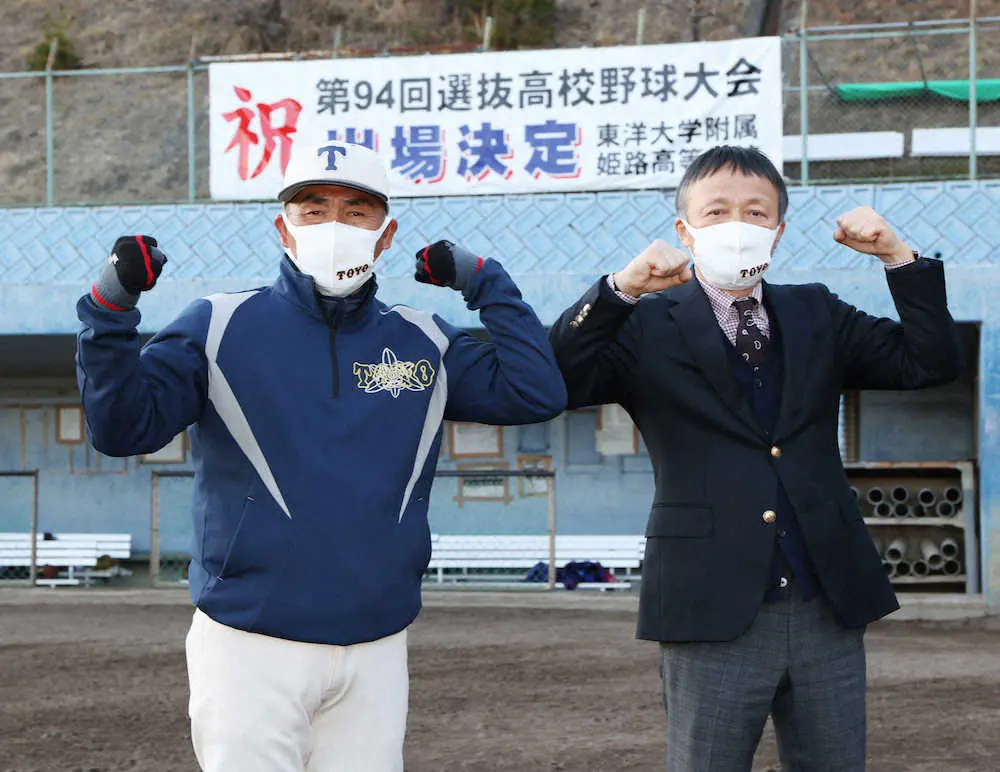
79, 489
555, 246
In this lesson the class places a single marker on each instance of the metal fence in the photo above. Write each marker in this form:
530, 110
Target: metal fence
880, 102
899, 102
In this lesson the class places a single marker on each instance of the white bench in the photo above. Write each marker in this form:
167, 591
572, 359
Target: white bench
848, 146
111, 549
465, 552
82, 557
65, 556
954, 142
114, 545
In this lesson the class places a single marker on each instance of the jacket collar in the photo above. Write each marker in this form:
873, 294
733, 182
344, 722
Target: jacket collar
298, 289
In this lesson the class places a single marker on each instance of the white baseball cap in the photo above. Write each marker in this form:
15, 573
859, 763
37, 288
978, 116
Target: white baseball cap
335, 163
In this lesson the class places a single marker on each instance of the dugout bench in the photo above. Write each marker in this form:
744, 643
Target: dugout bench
76, 558
465, 557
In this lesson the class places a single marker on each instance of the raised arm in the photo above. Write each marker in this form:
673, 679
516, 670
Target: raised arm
923, 348
596, 340
513, 379
137, 398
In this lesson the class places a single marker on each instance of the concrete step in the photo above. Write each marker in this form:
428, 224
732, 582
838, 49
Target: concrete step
936, 606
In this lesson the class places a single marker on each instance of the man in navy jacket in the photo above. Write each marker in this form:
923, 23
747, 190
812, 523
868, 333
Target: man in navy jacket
315, 414
759, 575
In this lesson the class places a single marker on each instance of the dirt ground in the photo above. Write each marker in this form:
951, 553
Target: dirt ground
94, 681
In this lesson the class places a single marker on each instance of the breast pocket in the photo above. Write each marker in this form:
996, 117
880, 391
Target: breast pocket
680, 521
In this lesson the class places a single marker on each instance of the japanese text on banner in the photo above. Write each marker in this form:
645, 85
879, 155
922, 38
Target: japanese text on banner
568, 120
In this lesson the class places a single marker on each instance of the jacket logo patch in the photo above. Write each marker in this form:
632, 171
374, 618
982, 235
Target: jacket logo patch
394, 376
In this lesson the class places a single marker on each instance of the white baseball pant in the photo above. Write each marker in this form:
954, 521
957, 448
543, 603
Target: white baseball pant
262, 704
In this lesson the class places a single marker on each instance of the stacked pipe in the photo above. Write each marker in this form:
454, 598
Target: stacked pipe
922, 557
952, 563
899, 502
881, 505
950, 502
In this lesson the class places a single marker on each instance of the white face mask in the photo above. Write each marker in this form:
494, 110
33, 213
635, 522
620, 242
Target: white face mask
732, 255
339, 257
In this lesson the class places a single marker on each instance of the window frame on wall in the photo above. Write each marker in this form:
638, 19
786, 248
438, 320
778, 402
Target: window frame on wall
569, 418
534, 439
174, 452
462, 496
640, 463
524, 484
454, 441
80, 436
615, 410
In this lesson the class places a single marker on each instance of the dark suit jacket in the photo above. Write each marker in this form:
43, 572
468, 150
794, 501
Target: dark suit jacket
709, 547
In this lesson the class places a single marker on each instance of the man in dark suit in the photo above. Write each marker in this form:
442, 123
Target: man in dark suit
759, 575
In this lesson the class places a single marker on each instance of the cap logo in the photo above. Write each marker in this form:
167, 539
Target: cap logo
331, 155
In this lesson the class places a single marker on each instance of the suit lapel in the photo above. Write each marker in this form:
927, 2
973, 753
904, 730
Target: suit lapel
795, 322
700, 329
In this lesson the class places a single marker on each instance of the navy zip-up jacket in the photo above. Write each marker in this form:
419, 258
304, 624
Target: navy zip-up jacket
314, 438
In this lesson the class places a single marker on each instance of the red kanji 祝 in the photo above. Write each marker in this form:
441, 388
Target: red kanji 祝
245, 136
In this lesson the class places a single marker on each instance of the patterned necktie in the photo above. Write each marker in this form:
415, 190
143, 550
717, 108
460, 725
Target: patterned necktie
751, 344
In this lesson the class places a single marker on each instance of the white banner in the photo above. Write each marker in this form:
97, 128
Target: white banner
518, 122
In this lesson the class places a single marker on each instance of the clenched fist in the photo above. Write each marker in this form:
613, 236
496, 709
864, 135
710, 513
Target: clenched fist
658, 267
134, 266
864, 230
446, 264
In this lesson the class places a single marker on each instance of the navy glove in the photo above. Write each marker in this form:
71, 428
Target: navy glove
447, 265
133, 267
